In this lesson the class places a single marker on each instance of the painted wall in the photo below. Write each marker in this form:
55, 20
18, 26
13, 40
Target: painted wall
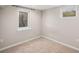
65, 30
61, 29
9, 33
0, 22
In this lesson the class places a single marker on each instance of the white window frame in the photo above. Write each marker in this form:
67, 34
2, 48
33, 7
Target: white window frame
67, 7
24, 28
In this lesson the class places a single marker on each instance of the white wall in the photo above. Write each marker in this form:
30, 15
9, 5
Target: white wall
0, 22
61, 29
10, 34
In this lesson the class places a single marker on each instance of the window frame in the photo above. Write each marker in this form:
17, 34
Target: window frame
28, 20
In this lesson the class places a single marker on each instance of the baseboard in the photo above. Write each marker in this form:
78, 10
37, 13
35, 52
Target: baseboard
44, 36
19, 43
67, 45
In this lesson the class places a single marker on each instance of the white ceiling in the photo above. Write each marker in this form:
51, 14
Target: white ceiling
40, 7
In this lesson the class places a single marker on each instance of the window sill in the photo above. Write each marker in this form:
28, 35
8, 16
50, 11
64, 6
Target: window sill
24, 28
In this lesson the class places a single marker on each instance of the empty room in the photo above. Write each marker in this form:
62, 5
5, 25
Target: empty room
39, 28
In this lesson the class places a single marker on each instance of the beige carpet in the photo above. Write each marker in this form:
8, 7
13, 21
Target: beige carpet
40, 45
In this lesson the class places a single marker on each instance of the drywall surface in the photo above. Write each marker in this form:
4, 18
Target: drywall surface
65, 30
9, 25
0, 22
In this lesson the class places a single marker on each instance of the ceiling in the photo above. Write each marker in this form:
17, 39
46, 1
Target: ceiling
40, 7
37, 7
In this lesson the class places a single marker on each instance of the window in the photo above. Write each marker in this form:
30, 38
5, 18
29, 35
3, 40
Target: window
23, 19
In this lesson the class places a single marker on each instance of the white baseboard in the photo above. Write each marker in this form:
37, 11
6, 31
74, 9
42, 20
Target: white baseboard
19, 43
45, 36
67, 45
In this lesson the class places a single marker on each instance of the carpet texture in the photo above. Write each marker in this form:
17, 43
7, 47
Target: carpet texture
40, 45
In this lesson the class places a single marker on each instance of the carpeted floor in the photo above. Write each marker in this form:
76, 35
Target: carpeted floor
40, 45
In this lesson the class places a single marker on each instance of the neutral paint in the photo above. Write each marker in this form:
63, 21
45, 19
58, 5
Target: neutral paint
0, 23
65, 30
40, 7
51, 24
9, 28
